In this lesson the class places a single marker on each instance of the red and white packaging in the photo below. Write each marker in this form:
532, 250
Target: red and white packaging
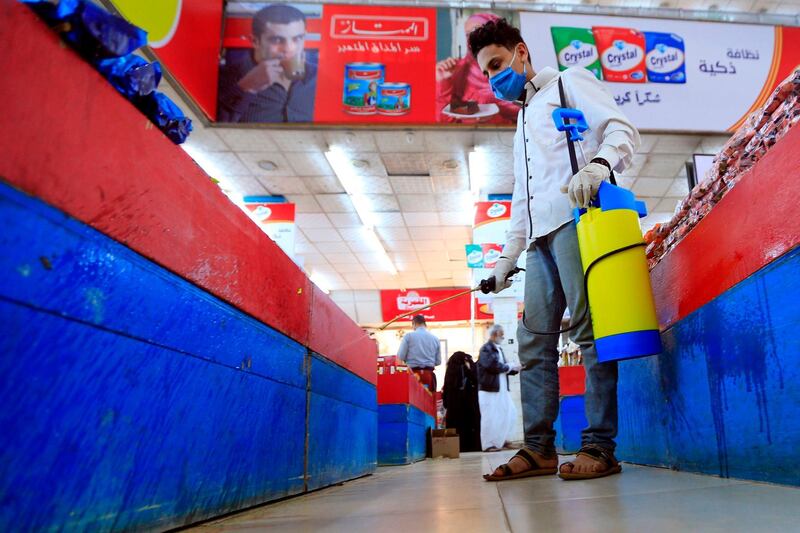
621, 54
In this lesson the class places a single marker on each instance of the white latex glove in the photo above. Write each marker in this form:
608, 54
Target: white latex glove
583, 186
502, 267
514, 367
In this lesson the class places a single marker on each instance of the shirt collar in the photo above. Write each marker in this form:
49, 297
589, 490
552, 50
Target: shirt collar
542, 78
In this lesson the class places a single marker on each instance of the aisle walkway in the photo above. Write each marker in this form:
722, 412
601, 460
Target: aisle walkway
449, 495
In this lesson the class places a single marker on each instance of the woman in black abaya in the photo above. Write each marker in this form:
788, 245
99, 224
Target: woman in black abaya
460, 399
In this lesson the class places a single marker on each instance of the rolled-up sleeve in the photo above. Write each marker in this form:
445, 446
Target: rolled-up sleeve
620, 137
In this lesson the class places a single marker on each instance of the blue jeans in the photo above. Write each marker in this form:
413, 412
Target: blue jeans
553, 282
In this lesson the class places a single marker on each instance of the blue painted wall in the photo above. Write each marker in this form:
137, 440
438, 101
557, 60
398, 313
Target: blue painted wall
134, 400
570, 423
402, 434
722, 399
343, 425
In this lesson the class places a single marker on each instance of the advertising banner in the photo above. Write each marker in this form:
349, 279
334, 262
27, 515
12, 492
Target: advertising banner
184, 35
350, 64
396, 302
277, 221
669, 74
483, 255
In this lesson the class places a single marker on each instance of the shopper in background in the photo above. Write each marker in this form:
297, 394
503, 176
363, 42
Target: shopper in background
460, 399
421, 351
545, 191
494, 397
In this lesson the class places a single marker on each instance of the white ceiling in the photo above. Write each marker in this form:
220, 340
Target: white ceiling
423, 222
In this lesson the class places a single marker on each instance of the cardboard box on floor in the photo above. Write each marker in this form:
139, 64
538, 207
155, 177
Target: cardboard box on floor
445, 443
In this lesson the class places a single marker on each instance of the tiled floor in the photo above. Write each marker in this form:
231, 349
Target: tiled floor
450, 495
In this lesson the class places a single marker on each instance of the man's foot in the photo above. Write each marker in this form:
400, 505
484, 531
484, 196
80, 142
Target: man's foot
591, 462
525, 463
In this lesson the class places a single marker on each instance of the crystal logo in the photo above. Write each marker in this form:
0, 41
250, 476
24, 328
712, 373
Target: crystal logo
664, 59
496, 210
578, 54
475, 256
262, 212
491, 256
622, 56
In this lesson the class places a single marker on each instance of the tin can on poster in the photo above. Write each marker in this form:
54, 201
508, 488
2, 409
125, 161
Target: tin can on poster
361, 82
394, 98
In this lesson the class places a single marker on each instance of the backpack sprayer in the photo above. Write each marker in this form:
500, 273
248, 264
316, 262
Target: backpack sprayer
616, 277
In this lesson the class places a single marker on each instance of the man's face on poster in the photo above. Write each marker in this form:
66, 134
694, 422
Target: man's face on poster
280, 41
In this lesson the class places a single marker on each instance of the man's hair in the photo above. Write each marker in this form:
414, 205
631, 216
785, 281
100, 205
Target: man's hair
498, 32
418, 320
276, 14
495, 329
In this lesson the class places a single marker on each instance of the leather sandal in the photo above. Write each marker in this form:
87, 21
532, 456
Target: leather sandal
534, 468
605, 457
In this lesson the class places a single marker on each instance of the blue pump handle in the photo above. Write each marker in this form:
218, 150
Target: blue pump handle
610, 197
575, 128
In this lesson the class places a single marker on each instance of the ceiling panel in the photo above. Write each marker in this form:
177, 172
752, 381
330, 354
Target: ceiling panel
305, 203
284, 185
400, 141
449, 140
394, 219
358, 233
667, 205
405, 257
360, 247
371, 185
405, 164
312, 221
345, 220
356, 141
251, 159
679, 188
342, 259
416, 202
429, 246
458, 233
426, 233
335, 203
227, 164
412, 185
496, 163
379, 203
246, 140
450, 183
663, 166
322, 235
455, 218
361, 283
495, 141
336, 247
421, 219
207, 140
454, 201
393, 234
399, 245
447, 164
323, 185
457, 255
350, 269
676, 144
299, 140
309, 164
246, 186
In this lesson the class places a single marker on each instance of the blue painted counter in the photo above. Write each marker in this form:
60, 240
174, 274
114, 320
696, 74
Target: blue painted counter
570, 423
402, 433
135, 400
722, 399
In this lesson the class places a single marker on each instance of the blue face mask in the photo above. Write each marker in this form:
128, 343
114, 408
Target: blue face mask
508, 83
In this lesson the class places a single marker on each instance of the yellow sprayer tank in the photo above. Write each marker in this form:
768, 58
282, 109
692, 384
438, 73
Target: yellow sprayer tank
618, 280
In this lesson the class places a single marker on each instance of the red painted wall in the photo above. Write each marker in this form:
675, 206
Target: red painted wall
754, 224
67, 137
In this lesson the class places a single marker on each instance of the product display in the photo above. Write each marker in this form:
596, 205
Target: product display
762, 129
394, 98
621, 54
666, 58
361, 81
575, 47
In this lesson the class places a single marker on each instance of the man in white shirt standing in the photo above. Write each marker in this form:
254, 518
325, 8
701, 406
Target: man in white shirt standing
494, 397
421, 351
542, 222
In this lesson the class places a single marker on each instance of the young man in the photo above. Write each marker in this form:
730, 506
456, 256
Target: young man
274, 82
542, 223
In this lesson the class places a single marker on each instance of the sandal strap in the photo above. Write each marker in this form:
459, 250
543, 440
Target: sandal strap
600, 454
528, 457
506, 470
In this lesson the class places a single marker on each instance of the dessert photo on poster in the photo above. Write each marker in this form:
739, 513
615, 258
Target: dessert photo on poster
463, 94
268, 64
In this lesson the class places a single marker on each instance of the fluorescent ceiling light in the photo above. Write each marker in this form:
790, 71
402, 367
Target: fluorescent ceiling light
342, 166
478, 168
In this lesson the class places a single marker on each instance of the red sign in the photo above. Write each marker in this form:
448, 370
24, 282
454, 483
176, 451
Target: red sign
395, 303
376, 65
486, 212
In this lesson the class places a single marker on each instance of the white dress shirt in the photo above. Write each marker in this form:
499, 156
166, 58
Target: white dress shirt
541, 157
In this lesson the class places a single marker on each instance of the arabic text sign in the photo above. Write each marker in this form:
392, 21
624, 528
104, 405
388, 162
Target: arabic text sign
693, 76
379, 27
395, 303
